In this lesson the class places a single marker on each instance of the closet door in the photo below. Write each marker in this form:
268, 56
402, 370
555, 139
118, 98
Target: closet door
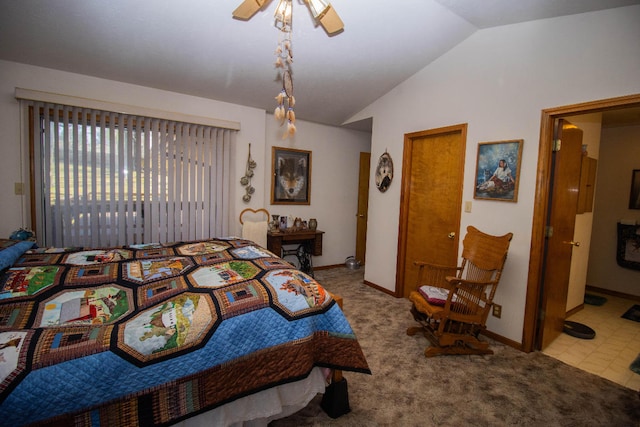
431, 201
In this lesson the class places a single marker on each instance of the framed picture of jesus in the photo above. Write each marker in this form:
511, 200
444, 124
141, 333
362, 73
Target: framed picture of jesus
498, 170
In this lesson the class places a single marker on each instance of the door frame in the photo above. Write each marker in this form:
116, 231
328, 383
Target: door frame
541, 204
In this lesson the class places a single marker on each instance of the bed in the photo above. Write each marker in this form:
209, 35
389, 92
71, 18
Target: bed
216, 332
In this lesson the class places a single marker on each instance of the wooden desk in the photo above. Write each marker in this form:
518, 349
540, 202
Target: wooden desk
311, 239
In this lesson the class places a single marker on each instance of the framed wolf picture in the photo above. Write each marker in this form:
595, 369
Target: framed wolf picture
290, 176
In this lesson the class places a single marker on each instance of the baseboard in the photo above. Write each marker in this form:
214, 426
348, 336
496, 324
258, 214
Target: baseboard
380, 288
503, 340
613, 293
328, 267
574, 310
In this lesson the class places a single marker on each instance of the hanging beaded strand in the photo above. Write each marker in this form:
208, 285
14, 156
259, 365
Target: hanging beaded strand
285, 100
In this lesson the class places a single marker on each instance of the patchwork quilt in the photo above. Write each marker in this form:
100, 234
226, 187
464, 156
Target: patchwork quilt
152, 334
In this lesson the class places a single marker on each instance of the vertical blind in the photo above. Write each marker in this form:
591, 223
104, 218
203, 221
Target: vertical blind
109, 179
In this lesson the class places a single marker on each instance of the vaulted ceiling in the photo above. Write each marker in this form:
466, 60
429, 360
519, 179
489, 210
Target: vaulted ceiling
195, 47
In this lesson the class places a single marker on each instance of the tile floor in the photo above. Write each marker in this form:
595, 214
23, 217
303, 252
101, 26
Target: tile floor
615, 346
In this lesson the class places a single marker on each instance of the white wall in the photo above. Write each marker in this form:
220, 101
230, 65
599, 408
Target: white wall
498, 81
619, 156
335, 151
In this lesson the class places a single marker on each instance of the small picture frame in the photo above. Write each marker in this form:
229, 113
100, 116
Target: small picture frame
634, 194
283, 223
290, 176
498, 170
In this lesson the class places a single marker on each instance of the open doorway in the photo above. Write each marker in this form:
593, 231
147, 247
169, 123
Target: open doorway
619, 112
535, 282
362, 209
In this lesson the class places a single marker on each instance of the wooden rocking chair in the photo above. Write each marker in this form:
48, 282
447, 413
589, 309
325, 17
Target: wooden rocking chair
452, 303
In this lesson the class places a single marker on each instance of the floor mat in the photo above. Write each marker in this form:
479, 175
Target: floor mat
633, 313
594, 299
578, 330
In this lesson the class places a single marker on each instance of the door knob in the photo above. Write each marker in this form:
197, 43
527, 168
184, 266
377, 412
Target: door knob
572, 243
452, 235
360, 215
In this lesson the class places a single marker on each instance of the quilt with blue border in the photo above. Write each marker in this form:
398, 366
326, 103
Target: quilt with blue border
153, 334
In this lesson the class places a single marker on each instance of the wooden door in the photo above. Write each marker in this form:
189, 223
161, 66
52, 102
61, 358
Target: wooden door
532, 314
430, 201
363, 204
565, 183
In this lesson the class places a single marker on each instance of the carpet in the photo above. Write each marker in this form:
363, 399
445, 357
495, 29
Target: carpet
633, 313
594, 299
406, 389
635, 365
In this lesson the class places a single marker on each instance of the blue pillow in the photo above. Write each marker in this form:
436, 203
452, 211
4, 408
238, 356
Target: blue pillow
10, 254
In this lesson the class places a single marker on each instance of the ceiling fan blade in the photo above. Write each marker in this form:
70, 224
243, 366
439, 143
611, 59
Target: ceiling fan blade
248, 8
330, 21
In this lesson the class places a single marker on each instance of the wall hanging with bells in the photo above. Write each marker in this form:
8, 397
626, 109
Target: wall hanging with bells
246, 179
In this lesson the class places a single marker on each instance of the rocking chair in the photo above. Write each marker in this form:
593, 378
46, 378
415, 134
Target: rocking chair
452, 304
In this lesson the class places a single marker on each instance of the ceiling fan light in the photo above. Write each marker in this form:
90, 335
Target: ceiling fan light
331, 22
247, 9
283, 12
318, 8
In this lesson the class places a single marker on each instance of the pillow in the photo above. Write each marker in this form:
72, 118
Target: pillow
10, 253
434, 295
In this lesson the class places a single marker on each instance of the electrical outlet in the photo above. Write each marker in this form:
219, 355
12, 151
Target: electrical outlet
497, 310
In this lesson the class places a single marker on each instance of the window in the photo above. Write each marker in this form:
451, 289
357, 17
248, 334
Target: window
109, 179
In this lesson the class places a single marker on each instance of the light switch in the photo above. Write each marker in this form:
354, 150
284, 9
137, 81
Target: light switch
467, 206
18, 188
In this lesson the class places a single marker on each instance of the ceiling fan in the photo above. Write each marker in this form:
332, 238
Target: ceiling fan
321, 10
